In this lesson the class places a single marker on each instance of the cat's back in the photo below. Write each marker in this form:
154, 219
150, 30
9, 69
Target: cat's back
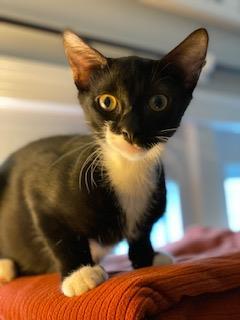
41, 160
44, 151
51, 146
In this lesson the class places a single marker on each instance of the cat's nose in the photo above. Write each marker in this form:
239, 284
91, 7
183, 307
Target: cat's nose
127, 136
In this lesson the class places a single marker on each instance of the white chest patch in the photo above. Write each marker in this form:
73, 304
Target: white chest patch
134, 182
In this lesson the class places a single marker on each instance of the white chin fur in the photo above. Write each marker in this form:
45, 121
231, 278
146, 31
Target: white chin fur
132, 175
123, 148
129, 156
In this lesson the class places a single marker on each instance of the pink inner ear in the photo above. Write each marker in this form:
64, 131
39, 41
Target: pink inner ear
81, 68
82, 58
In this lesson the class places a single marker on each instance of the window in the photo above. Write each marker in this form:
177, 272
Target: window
232, 196
170, 227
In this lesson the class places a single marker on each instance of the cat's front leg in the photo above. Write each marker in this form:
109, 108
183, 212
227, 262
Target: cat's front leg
78, 271
141, 253
83, 279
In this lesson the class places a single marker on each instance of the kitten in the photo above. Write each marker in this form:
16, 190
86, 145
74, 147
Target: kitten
63, 198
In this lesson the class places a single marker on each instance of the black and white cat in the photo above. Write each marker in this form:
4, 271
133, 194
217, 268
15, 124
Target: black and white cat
65, 199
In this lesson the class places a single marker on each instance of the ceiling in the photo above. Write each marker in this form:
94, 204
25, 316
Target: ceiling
128, 22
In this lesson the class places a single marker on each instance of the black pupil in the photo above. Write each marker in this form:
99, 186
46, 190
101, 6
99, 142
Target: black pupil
107, 102
158, 102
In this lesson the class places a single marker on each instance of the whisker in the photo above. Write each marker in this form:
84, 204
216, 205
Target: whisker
77, 162
93, 167
97, 160
89, 168
87, 160
75, 137
81, 172
66, 155
162, 138
171, 129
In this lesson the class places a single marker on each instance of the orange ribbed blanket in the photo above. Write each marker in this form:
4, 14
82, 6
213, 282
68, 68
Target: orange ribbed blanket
204, 283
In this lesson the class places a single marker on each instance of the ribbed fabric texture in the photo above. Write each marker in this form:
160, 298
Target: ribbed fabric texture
198, 288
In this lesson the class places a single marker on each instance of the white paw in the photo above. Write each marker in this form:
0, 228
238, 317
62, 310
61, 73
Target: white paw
82, 280
7, 270
162, 258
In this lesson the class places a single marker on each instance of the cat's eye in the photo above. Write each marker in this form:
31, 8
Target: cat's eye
107, 102
158, 102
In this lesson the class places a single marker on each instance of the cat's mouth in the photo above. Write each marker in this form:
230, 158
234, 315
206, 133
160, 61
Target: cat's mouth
127, 150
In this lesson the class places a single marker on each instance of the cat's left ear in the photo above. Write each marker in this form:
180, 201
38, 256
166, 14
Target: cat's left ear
189, 57
82, 58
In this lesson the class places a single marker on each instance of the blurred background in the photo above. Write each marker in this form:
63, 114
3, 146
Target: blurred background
38, 97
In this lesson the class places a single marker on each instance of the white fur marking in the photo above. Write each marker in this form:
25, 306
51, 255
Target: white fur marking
82, 280
132, 176
162, 258
7, 270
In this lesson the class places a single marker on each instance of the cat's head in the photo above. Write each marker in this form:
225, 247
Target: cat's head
135, 104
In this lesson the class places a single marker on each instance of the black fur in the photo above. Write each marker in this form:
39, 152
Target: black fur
46, 220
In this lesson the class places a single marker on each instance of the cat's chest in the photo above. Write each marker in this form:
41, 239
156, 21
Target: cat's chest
134, 184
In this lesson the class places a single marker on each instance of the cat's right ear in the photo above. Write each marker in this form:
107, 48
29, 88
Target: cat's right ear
189, 57
82, 58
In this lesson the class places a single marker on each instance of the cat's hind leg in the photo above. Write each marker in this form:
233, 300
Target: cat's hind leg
162, 258
7, 270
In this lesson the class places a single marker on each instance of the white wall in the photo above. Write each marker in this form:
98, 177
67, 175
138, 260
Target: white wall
126, 21
22, 121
